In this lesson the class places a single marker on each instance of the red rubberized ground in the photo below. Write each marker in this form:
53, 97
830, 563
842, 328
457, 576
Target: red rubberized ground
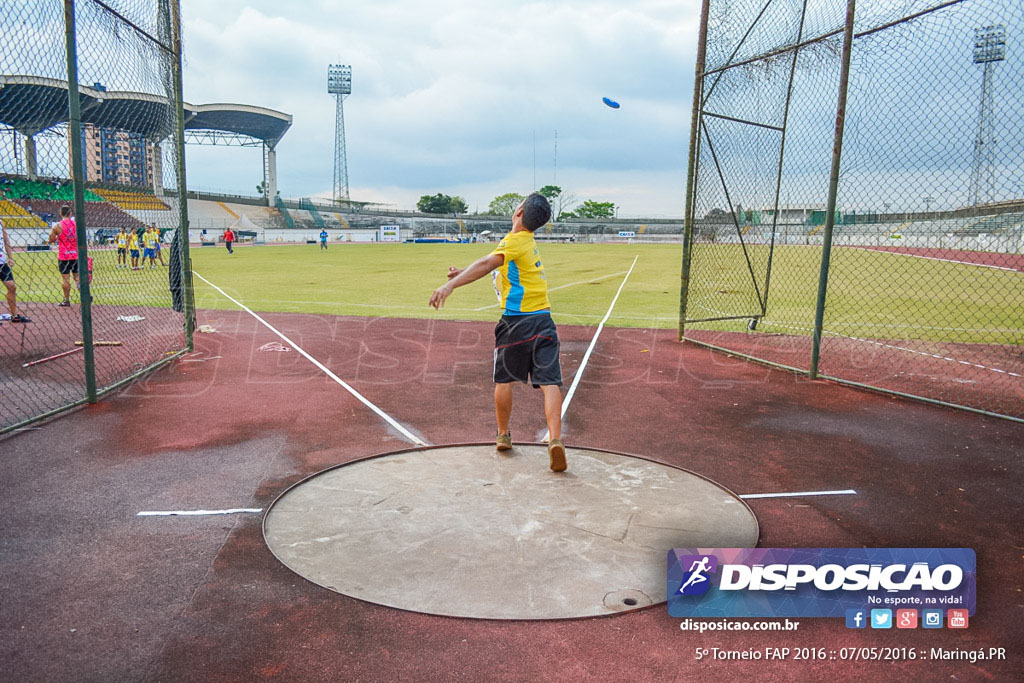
93, 592
980, 258
983, 376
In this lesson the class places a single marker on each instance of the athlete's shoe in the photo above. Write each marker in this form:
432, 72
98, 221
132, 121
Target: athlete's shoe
64, 304
556, 452
504, 442
20, 319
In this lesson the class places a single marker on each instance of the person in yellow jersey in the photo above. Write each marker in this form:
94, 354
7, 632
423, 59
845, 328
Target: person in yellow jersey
121, 242
133, 248
525, 339
149, 238
158, 242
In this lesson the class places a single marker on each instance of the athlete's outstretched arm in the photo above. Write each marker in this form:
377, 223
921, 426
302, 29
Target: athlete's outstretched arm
472, 273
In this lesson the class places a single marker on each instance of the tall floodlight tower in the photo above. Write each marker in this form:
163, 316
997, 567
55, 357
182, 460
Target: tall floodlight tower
339, 84
989, 49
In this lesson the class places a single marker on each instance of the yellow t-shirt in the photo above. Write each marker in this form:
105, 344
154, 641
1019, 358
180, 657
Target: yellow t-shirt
121, 240
148, 239
133, 242
520, 282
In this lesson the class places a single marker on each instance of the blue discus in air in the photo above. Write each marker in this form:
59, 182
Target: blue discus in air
610, 102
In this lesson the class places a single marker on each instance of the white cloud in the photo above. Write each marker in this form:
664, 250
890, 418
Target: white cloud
449, 95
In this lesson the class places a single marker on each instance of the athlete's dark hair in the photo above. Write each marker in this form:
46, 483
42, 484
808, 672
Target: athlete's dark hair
65, 211
536, 211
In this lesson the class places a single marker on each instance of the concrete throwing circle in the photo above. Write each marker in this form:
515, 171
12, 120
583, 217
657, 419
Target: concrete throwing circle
465, 531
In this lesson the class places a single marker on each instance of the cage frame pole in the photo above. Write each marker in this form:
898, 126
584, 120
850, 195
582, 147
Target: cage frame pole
188, 290
78, 183
833, 187
782, 154
691, 170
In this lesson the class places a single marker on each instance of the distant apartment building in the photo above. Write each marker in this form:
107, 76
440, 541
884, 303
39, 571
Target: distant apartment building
111, 155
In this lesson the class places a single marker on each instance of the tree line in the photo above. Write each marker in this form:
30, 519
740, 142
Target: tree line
563, 205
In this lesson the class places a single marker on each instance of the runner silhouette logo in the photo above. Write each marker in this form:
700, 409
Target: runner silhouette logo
697, 579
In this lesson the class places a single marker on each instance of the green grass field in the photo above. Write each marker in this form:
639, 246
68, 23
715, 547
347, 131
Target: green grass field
871, 293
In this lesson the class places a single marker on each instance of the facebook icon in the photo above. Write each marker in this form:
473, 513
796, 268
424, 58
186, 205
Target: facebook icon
856, 618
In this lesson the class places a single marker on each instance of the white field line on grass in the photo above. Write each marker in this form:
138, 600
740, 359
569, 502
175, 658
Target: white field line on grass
571, 284
590, 349
935, 258
799, 494
362, 399
196, 513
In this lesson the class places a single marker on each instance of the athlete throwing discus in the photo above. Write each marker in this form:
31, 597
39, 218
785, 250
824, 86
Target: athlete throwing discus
525, 339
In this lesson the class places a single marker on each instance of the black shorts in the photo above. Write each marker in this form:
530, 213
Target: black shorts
67, 266
122, 250
526, 350
5, 273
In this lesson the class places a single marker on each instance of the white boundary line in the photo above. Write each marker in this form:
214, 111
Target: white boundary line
935, 258
571, 284
195, 513
590, 349
846, 492
387, 418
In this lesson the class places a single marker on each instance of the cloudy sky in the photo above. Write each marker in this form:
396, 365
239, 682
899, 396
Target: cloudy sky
448, 96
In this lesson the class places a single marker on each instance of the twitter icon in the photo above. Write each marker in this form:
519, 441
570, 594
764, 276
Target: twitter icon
881, 618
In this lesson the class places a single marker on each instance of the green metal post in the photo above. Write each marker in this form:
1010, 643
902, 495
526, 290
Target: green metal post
691, 171
78, 177
179, 149
833, 186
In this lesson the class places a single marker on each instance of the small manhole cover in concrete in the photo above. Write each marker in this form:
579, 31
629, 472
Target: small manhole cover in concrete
464, 531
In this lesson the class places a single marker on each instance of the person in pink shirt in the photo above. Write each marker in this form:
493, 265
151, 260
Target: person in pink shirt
65, 234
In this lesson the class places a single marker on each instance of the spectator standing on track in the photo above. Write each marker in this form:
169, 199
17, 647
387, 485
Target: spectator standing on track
525, 339
121, 241
65, 234
323, 239
229, 238
7, 277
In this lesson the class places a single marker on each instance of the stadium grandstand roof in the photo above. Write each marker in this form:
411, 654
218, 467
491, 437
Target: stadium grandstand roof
32, 104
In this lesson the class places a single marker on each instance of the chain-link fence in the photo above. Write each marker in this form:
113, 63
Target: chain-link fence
95, 270
855, 203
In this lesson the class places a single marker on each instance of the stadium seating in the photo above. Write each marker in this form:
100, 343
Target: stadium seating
132, 200
14, 216
304, 220
216, 215
333, 220
60, 190
993, 225
97, 214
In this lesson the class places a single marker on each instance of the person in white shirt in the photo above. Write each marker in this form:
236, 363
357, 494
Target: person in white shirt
7, 277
